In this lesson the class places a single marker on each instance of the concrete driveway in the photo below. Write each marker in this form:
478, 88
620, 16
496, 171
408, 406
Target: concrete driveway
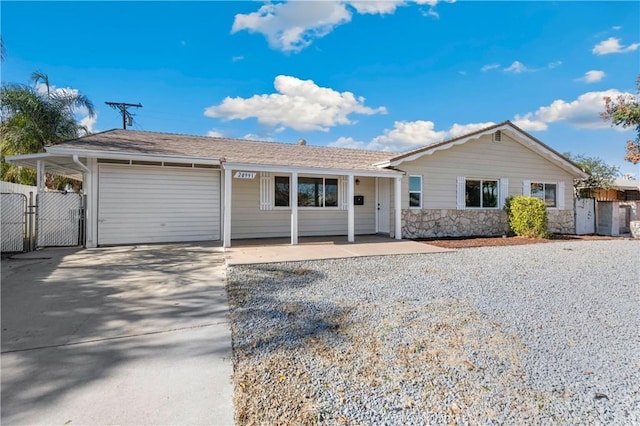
125, 335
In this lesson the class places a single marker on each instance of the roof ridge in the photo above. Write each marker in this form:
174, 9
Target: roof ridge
243, 140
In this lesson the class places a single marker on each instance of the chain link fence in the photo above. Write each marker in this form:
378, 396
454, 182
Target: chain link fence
60, 219
14, 222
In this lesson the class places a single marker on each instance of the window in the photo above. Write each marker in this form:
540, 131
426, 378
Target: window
282, 191
546, 192
312, 192
317, 192
481, 193
415, 191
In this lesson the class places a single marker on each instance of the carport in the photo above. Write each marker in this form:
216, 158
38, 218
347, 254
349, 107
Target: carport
138, 199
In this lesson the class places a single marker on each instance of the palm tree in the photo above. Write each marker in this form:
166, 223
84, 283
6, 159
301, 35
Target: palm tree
35, 116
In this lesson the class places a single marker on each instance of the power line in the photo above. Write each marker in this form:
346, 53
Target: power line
127, 117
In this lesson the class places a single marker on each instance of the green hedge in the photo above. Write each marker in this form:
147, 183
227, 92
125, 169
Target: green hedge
527, 216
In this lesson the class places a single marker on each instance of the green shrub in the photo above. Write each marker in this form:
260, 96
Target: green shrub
527, 216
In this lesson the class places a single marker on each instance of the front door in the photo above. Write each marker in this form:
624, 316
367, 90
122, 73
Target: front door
384, 206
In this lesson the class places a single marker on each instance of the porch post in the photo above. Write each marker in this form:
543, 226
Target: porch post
397, 198
350, 211
90, 186
226, 222
294, 208
40, 175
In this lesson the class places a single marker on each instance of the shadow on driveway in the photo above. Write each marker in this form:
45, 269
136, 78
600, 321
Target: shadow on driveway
116, 335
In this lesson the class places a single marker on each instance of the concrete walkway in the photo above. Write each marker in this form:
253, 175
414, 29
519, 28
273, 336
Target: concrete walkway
124, 335
315, 248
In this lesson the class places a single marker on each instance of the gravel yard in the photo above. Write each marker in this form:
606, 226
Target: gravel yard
537, 334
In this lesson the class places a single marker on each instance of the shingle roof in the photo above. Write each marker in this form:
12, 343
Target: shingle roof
231, 150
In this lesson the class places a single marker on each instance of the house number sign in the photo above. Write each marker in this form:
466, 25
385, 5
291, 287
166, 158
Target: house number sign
245, 175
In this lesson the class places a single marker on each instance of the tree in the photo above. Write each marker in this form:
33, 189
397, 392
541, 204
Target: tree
601, 174
625, 111
35, 116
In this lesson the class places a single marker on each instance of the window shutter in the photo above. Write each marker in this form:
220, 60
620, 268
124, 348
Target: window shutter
504, 191
560, 195
266, 191
526, 188
344, 201
460, 193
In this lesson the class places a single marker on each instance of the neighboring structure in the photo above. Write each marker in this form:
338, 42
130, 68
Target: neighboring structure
618, 207
145, 187
621, 190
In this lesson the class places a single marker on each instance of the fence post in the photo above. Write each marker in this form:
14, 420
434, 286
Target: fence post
31, 224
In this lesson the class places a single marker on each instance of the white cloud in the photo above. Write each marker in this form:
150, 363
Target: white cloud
89, 122
528, 123
612, 45
616, 27
516, 67
555, 64
374, 7
489, 67
237, 58
256, 137
215, 134
348, 142
407, 135
592, 76
294, 25
299, 104
583, 112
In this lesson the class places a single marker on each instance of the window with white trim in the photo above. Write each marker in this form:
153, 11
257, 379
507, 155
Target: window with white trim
415, 191
481, 193
547, 192
312, 192
317, 192
282, 192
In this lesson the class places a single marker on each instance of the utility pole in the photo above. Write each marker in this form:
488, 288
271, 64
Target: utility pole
127, 117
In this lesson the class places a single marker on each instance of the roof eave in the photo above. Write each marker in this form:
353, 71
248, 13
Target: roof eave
310, 170
90, 153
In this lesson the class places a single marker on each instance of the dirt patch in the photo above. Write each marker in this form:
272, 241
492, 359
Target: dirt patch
468, 242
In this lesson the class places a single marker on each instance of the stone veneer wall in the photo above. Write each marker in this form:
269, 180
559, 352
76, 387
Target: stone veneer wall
561, 221
453, 223
466, 223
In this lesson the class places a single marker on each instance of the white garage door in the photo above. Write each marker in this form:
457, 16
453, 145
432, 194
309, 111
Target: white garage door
146, 204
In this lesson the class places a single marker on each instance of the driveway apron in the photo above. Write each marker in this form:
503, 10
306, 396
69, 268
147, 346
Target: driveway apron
122, 335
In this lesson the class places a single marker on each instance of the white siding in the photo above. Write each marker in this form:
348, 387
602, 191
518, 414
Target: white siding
144, 204
248, 221
481, 158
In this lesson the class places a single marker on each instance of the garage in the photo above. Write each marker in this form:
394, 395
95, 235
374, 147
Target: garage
144, 203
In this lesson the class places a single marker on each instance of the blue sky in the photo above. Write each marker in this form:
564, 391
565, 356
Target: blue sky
387, 75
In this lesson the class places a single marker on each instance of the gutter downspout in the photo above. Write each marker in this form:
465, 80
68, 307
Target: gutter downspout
84, 168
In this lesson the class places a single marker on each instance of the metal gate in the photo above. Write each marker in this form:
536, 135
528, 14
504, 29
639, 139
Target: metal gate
14, 222
585, 210
60, 219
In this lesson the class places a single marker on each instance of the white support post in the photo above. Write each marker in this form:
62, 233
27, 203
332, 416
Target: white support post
90, 185
350, 211
377, 205
294, 208
397, 198
226, 224
40, 175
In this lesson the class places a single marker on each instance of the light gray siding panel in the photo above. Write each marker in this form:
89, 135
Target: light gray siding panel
144, 204
248, 221
481, 158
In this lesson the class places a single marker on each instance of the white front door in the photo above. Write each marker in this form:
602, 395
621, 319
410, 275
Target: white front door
384, 205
